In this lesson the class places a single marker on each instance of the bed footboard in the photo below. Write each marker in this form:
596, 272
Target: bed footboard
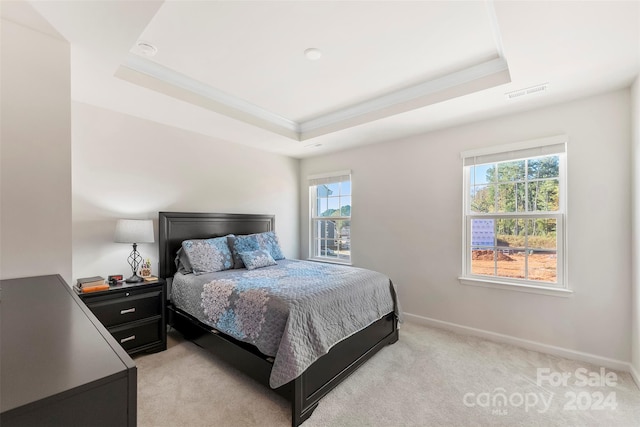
342, 360
320, 378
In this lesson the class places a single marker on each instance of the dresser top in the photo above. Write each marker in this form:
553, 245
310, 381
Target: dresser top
49, 344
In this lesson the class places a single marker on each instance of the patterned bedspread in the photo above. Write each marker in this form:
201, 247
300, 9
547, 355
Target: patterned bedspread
294, 311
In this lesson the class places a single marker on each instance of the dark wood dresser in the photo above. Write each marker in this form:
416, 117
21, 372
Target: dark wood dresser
60, 366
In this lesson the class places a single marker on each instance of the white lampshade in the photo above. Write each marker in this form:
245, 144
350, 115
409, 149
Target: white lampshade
134, 231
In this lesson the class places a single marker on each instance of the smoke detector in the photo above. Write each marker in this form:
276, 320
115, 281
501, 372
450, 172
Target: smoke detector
145, 48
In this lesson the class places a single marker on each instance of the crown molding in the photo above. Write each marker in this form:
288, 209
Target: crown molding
468, 80
149, 74
154, 76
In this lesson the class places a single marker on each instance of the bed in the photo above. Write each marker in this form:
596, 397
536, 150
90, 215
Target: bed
317, 378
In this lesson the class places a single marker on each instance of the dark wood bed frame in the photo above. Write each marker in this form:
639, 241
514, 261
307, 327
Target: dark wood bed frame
322, 376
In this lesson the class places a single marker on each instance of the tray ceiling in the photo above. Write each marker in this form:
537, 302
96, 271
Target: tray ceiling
246, 59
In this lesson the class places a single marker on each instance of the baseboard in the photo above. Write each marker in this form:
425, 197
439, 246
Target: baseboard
634, 374
606, 362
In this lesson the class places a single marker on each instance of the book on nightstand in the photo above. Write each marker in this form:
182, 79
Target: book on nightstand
95, 288
87, 282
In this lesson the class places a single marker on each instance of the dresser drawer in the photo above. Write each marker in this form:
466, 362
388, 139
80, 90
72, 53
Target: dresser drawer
139, 335
116, 311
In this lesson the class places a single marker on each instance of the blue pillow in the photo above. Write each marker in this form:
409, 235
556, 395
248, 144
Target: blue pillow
257, 259
208, 255
252, 242
241, 244
269, 241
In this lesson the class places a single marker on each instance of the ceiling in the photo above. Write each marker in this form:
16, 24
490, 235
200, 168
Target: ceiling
236, 70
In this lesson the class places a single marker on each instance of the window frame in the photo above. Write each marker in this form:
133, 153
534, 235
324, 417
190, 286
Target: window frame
556, 145
327, 178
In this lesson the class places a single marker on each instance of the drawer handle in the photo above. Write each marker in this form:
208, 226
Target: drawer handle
124, 340
129, 310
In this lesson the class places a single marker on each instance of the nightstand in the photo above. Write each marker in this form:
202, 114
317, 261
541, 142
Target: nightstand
134, 313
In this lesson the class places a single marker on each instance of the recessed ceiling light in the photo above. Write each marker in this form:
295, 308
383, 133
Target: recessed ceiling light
313, 53
146, 48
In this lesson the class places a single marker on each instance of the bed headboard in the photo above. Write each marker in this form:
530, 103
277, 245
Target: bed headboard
174, 227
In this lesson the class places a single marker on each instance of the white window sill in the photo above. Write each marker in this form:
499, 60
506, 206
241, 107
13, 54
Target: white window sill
329, 261
518, 287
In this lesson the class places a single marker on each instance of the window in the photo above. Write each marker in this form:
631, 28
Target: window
330, 214
514, 214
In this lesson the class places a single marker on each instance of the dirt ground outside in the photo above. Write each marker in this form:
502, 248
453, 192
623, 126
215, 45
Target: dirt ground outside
542, 267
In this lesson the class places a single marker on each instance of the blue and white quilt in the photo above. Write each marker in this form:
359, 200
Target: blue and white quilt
294, 311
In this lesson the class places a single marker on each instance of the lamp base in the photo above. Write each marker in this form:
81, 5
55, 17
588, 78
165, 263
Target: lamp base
134, 279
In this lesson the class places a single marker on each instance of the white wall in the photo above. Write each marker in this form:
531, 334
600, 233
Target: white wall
635, 309
126, 167
407, 218
35, 165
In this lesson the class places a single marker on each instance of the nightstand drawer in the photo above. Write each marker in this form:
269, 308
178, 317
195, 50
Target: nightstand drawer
117, 311
139, 335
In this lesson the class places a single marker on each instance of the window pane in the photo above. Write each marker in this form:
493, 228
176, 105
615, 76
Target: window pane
344, 249
510, 232
511, 197
511, 237
343, 228
321, 206
483, 198
542, 233
333, 206
326, 229
543, 266
328, 249
543, 196
482, 232
542, 253
345, 243
511, 263
345, 188
544, 167
331, 251
506, 198
322, 191
482, 174
521, 197
345, 206
333, 189
511, 171
483, 262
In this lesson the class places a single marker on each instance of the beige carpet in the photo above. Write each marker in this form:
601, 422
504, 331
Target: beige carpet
431, 377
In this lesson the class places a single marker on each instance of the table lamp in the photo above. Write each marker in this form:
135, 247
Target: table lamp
134, 231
